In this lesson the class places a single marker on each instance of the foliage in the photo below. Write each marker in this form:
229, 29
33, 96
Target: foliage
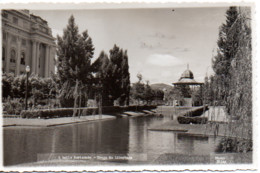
73, 65
231, 85
112, 77
119, 76
148, 93
144, 92
196, 97
38, 88
13, 106
227, 50
55, 113
102, 79
192, 120
228, 144
137, 89
174, 94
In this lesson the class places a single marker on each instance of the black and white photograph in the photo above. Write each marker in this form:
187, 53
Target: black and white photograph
165, 85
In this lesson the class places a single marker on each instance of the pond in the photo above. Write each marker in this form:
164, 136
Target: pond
118, 137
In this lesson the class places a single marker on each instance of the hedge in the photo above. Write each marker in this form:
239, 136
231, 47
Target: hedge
229, 144
196, 112
193, 120
68, 112
54, 113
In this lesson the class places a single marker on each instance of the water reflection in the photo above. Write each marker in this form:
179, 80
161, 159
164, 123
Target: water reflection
119, 136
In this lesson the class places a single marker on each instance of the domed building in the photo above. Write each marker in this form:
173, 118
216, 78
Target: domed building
188, 85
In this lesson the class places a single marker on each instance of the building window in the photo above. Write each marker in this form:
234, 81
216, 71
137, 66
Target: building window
3, 53
13, 56
14, 39
23, 58
23, 42
39, 62
15, 20
25, 25
12, 71
4, 35
5, 15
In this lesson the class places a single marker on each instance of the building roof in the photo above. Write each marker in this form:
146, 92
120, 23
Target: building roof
187, 74
186, 81
187, 78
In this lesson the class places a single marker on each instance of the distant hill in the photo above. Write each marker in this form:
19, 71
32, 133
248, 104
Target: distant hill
161, 86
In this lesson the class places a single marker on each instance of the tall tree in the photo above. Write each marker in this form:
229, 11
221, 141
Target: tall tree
138, 89
73, 65
101, 67
119, 75
125, 81
227, 49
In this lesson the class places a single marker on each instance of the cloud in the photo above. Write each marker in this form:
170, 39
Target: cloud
166, 74
163, 60
150, 46
180, 49
162, 35
56, 32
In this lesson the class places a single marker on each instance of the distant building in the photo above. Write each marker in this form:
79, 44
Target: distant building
26, 40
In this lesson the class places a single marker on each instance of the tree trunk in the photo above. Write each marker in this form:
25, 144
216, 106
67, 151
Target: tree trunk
75, 98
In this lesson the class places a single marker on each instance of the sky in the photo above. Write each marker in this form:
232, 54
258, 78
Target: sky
160, 42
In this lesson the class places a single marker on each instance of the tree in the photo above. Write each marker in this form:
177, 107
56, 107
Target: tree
73, 65
119, 76
174, 94
138, 88
125, 81
239, 101
7, 80
148, 93
232, 82
101, 67
227, 50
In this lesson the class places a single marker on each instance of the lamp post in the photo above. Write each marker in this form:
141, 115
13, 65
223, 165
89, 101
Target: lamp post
26, 93
100, 99
99, 90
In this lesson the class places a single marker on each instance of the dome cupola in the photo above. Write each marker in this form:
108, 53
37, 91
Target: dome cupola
187, 74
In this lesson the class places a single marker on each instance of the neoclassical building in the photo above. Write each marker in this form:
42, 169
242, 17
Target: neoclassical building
26, 40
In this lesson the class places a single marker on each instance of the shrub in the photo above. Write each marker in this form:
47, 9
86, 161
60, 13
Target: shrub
193, 120
228, 144
13, 106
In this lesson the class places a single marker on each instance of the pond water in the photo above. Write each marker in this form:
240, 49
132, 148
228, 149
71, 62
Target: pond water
122, 136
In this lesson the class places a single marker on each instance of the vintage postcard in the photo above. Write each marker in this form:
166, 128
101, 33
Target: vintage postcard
128, 86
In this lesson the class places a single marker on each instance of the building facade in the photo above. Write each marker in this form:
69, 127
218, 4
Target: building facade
26, 41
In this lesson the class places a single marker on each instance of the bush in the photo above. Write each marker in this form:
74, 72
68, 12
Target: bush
14, 106
228, 144
193, 120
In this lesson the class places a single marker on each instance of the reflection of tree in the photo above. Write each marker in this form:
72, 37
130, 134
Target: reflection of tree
186, 144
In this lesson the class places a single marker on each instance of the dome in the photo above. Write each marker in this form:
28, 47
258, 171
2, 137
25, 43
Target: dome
187, 74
